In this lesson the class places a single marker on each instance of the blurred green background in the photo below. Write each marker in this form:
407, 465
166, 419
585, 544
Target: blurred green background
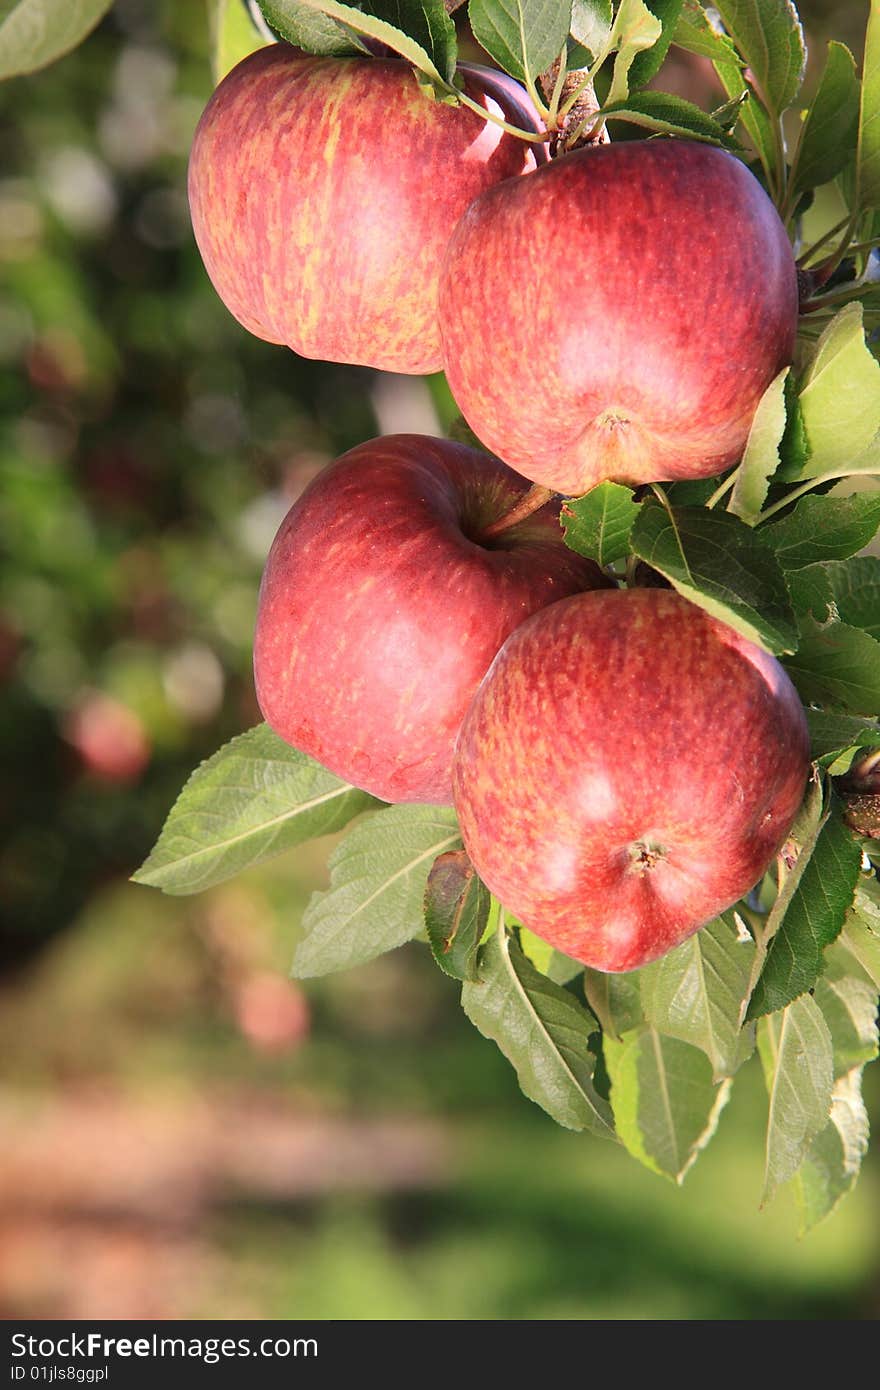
183, 1131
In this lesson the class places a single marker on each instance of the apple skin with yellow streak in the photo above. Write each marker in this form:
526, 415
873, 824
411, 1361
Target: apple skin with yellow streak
380, 608
323, 192
654, 286
627, 770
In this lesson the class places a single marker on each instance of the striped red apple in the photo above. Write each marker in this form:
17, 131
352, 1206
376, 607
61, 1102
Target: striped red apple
323, 192
619, 313
627, 770
383, 603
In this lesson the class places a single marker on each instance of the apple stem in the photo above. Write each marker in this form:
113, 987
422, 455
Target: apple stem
864, 775
531, 501
533, 137
722, 490
823, 240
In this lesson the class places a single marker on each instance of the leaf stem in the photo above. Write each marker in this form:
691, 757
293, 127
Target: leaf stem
661, 497
795, 494
587, 81
782, 183
826, 236
558, 88
722, 490
533, 137
538, 100
851, 290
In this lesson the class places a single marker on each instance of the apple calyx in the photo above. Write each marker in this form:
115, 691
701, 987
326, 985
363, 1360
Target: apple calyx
644, 855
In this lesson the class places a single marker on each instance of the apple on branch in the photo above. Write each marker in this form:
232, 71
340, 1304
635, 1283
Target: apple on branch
323, 192
627, 770
619, 313
384, 600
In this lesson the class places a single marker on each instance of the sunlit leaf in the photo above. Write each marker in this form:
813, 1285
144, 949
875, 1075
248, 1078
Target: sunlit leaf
376, 897
665, 1101
33, 33
253, 799
796, 1055
542, 1031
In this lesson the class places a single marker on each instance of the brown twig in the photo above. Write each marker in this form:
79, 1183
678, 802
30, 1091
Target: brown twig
577, 126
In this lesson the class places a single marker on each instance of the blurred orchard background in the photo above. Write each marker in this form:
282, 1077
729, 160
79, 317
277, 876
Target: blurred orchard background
184, 1132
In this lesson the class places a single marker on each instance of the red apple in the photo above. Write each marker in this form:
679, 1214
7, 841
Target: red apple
381, 607
323, 192
654, 284
628, 769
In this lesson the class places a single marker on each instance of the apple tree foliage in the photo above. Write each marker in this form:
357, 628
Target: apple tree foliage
774, 548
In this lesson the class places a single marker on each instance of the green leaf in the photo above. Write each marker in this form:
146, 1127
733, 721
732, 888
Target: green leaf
855, 589
557, 966
615, 1000
697, 34
538, 951
823, 528
769, 36
698, 993
761, 458
456, 913
828, 135
635, 29
378, 876
863, 944
847, 591
33, 33
838, 665
849, 1007
562, 969
648, 63
234, 35
310, 30
523, 36
665, 1102
832, 1163
811, 595
591, 22
833, 734
691, 492
752, 116
796, 1055
793, 450
428, 22
432, 51
542, 1031
667, 114
867, 902
826, 875
840, 398
869, 118
598, 524
719, 563
253, 799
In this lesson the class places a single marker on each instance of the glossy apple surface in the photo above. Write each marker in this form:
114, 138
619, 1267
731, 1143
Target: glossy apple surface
380, 608
628, 769
323, 192
654, 283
